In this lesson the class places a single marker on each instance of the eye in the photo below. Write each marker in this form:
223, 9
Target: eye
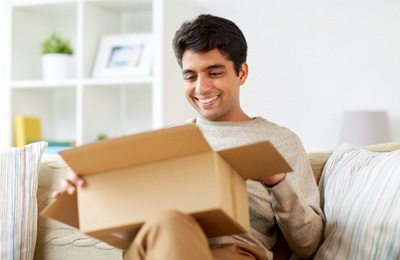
189, 77
216, 74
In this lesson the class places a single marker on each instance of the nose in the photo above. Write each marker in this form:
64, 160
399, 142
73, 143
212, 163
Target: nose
203, 85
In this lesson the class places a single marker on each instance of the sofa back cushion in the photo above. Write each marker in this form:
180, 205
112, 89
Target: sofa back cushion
19, 169
318, 159
361, 199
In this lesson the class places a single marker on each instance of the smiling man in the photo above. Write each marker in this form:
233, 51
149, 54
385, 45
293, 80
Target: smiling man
212, 54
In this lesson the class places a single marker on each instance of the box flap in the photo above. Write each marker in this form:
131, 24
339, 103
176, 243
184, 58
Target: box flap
133, 150
64, 209
255, 161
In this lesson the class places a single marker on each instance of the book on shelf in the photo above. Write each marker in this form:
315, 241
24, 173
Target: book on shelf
55, 146
56, 149
27, 129
60, 143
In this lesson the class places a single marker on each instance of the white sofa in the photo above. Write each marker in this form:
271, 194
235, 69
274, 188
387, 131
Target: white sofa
58, 241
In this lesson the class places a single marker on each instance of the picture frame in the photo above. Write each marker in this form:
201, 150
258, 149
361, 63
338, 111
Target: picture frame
124, 55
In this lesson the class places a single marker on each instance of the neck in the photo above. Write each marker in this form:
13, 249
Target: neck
237, 117
240, 117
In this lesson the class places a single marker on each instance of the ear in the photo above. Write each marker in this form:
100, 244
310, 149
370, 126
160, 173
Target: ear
244, 71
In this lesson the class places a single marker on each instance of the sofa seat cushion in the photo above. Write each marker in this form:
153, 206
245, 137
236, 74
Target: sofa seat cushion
59, 241
361, 196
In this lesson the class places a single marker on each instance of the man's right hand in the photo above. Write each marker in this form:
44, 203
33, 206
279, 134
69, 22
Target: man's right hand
69, 184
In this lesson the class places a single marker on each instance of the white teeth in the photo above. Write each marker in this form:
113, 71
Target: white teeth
208, 100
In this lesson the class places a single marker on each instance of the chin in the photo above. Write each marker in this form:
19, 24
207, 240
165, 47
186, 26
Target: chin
211, 117
211, 114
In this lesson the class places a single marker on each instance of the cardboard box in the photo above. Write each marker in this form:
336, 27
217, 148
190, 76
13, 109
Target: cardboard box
132, 178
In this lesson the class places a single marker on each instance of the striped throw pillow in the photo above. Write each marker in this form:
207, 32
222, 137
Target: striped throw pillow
361, 196
18, 206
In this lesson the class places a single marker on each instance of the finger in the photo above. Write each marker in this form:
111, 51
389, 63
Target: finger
56, 194
71, 190
76, 179
68, 186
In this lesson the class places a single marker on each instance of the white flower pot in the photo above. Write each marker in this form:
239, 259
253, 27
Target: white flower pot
57, 66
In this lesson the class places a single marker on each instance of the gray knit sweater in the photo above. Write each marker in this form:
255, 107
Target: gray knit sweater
293, 204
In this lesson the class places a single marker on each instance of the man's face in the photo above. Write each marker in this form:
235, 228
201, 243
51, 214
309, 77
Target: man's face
212, 85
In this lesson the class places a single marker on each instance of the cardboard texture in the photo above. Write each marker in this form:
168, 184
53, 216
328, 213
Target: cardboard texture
132, 178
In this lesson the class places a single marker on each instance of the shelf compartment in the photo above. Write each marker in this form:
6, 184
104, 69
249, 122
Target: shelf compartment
103, 18
116, 111
32, 24
56, 107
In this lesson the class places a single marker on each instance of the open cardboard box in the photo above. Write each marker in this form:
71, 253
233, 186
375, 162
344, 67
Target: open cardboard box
131, 178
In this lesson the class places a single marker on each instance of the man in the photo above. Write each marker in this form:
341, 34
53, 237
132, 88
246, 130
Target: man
212, 54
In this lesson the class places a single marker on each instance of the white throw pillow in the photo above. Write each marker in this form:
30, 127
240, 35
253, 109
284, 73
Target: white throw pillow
19, 169
361, 197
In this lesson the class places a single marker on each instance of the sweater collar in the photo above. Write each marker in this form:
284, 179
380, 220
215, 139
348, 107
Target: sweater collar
203, 121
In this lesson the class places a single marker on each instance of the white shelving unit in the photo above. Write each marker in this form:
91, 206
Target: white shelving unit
81, 108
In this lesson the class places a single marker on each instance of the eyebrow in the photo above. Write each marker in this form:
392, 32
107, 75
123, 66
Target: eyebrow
215, 66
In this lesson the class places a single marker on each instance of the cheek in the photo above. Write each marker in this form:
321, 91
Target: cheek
188, 90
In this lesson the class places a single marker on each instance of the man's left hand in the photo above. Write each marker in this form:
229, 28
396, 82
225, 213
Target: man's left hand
273, 180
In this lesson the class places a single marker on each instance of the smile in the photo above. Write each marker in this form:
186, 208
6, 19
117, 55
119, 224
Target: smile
207, 100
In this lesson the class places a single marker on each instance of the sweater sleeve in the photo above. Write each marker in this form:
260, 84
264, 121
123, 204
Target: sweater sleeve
299, 222
295, 202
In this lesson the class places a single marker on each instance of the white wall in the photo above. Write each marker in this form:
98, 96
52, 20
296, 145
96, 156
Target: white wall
310, 60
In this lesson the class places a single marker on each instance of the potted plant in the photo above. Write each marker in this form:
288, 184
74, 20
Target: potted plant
56, 57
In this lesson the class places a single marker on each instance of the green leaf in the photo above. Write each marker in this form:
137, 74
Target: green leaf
56, 44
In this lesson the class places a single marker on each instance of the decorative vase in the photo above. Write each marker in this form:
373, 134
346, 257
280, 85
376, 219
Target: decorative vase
57, 66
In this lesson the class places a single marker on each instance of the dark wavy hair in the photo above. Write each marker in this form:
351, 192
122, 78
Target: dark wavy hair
208, 32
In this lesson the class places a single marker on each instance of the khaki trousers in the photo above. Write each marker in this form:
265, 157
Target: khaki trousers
175, 236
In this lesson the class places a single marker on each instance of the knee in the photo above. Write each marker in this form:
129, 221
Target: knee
168, 218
